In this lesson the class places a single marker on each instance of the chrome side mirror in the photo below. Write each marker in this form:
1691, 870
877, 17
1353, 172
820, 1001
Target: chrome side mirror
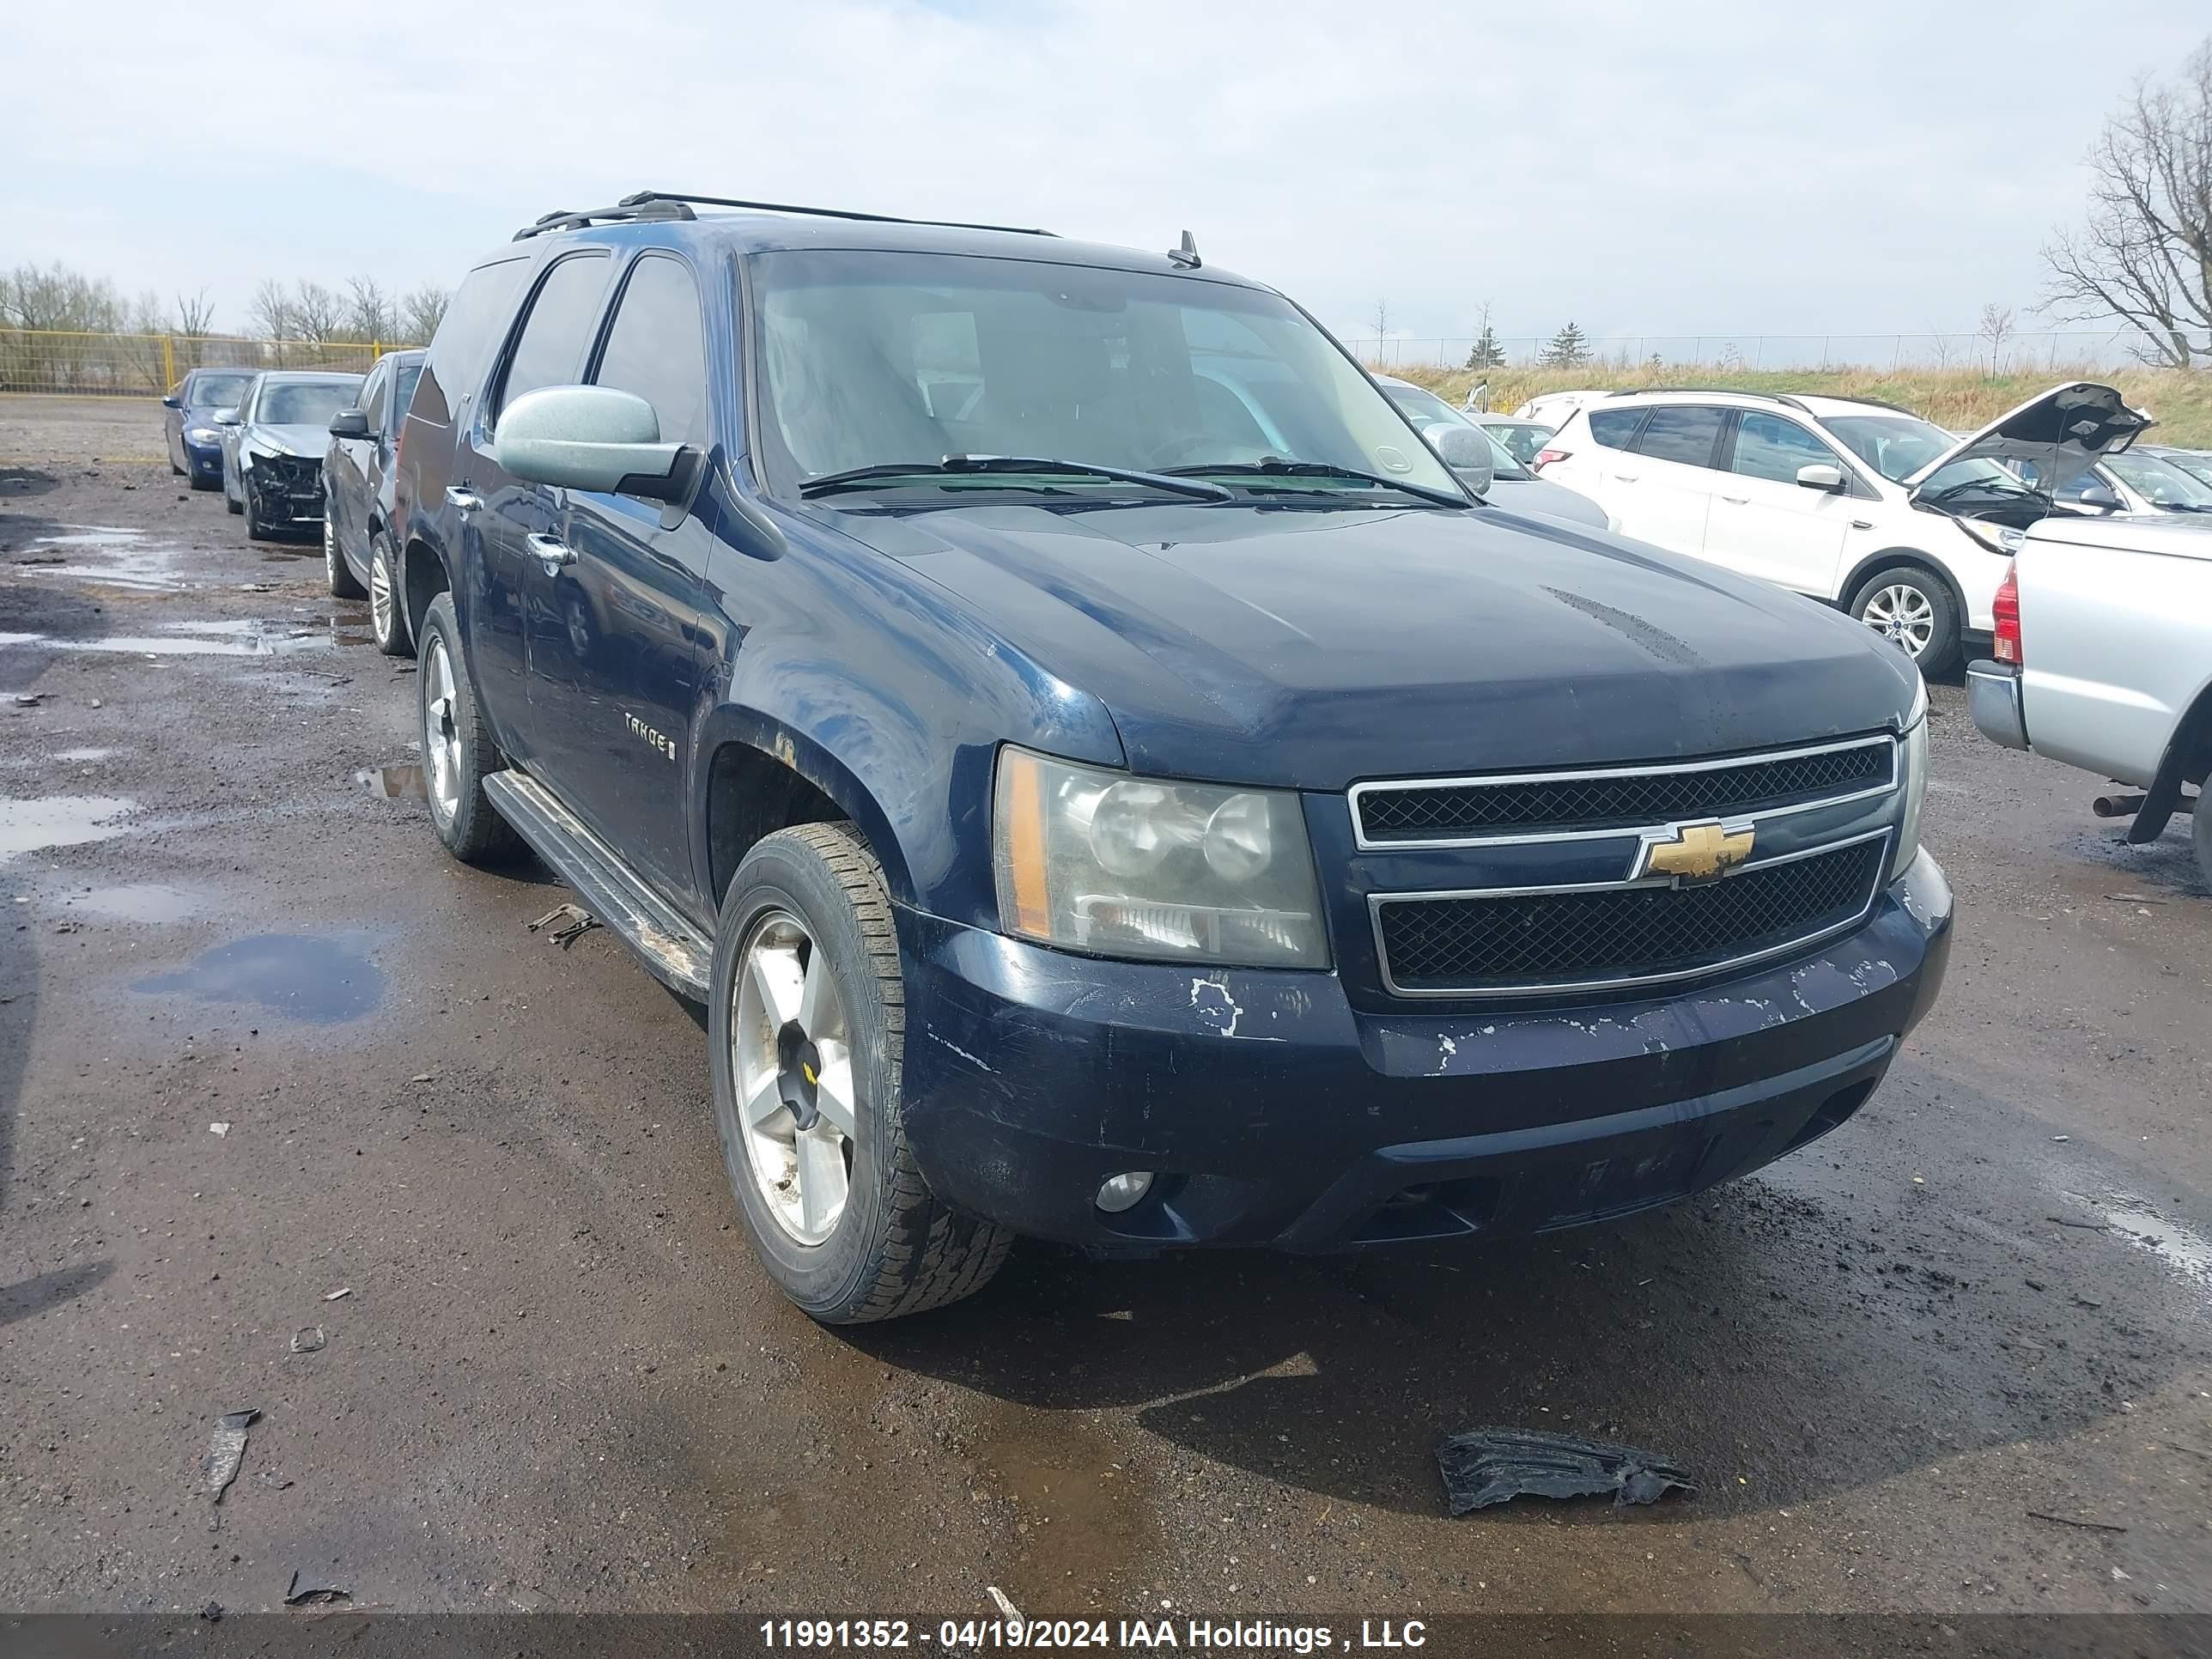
590, 437
1466, 451
227, 417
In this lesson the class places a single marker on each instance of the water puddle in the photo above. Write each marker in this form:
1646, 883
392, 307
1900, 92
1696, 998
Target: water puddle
127, 559
140, 901
2132, 1221
392, 782
322, 981
32, 826
240, 638
83, 754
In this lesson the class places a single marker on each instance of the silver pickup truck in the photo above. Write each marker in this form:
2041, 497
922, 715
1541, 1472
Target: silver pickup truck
2104, 660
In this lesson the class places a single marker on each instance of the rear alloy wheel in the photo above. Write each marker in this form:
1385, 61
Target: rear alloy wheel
340, 573
457, 751
385, 619
1906, 605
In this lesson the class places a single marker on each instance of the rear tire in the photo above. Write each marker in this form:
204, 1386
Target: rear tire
387, 620
811, 901
2200, 831
1905, 604
343, 586
457, 751
256, 530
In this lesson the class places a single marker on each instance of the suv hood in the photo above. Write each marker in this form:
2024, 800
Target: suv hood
1308, 647
2062, 431
307, 441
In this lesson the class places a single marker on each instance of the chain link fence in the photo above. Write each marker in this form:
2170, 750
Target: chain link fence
148, 365
2014, 353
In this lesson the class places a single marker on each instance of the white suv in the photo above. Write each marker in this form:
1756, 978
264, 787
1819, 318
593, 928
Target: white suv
1862, 504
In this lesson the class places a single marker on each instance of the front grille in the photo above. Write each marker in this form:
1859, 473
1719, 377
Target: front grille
1605, 936
1472, 808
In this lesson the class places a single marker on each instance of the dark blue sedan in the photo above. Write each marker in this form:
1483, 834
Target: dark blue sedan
188, 422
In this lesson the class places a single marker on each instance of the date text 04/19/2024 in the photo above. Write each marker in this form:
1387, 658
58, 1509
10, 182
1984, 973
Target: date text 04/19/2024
1095, 1634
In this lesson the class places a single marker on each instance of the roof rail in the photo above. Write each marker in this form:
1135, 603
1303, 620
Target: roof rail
645, 199
1798, 404
627, 209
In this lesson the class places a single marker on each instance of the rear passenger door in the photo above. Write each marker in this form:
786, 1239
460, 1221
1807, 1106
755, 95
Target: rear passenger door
1767, 524
501, 514
1662, 487
613, 655
345, 468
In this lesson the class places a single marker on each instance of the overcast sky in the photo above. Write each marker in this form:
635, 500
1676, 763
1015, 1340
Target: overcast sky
1642, 169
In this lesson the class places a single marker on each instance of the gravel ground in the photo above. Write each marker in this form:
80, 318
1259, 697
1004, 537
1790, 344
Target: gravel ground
481, 1166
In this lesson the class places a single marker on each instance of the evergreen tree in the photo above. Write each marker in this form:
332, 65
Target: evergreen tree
1568, 348
1487, 352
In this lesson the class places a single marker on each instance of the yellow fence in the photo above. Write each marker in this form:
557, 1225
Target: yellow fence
147, 365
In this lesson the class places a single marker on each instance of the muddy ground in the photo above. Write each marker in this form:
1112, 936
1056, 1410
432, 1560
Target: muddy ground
552, 1376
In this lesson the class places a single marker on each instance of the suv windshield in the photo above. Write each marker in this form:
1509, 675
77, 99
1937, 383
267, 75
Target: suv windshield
304, 403
879, 358
218, 391
1898, 446
2161, 483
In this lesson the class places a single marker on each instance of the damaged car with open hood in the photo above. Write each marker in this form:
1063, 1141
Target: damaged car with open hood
272, 447
1106, 776
1862, 505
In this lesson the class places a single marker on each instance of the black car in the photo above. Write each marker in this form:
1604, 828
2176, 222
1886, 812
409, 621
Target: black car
188, 424
357, 547
1106, 778
273, 444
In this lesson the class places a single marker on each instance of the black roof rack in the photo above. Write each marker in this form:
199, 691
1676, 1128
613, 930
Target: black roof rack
631, 208
646, 198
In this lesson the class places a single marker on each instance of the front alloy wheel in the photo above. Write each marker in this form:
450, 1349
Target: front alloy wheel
337, 573
791, 1050
1902, 613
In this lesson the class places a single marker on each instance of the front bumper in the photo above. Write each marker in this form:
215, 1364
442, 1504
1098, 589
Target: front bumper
1993, 698
286, 495
1276, 1114
203, 461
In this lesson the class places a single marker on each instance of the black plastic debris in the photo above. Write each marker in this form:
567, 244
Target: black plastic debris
226, 1451
1495, 1466
306, 1590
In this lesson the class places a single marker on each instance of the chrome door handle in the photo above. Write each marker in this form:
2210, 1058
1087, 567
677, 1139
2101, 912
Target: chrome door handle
1735, 500
551, 552
1862, 524
465, 501
1626, 477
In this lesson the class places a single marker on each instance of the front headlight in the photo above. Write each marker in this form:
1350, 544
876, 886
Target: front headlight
204, 434
1911, 782
1117, 866
1997, 537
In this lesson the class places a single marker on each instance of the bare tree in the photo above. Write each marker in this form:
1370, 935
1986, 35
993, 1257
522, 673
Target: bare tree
60, 298
1381, 320
371, 313
194, 317
1996, 327
317, 311
2144, 254
421, 311
269, 314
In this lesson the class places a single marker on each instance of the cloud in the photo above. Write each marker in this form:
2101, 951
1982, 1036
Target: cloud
1662, 169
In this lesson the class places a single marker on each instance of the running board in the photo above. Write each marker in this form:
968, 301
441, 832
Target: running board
677, 954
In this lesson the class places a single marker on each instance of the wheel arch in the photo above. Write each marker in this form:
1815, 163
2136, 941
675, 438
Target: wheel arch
1916, 558
422, 577
2188, 760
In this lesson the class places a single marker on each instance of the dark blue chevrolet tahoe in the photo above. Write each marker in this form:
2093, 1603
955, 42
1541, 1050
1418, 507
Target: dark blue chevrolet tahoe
1106, 778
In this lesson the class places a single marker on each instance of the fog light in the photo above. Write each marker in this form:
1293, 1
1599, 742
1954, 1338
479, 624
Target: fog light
1124, 1192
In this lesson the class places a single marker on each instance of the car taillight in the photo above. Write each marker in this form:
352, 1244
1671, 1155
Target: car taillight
2006, 609
1546, 457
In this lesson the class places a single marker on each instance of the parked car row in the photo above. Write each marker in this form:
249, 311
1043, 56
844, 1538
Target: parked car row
1107, 775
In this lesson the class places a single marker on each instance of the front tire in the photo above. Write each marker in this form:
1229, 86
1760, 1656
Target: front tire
806, 1033
387, 621
1906, 605
231, 503
340, 573
457, 751
257, 530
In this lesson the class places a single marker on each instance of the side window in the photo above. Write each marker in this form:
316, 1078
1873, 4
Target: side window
1768, 447
373, 397
1683, 432
657, 348
550, 351
1613, 428
469, 332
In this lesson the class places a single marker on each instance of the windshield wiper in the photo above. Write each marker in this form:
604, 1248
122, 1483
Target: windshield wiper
1985, 486
1274, 466
860, 477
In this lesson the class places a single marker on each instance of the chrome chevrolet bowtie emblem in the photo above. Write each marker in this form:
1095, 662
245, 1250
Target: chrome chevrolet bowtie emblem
1694, 852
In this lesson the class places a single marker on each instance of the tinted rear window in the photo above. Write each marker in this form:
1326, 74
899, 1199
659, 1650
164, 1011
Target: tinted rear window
550, 350
1613, 428
1681, 433
474, 324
